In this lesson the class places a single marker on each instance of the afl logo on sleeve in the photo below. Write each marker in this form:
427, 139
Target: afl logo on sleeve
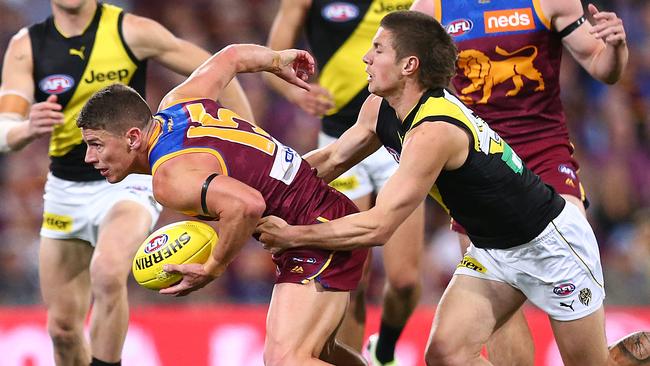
56, 84
459, 27
340, 12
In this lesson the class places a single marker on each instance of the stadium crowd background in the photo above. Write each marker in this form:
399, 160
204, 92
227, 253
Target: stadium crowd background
610, 127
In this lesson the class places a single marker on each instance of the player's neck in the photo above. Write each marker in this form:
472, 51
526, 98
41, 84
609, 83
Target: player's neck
151, 131
73, 22
405, 99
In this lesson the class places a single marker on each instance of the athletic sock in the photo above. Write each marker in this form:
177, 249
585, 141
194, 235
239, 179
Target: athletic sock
386, 342
96, 362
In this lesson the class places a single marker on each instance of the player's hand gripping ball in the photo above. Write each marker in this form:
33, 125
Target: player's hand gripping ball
178, 243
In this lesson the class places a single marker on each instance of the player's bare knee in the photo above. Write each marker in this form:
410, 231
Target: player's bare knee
404, 284
443, 350
107, 277
64, 332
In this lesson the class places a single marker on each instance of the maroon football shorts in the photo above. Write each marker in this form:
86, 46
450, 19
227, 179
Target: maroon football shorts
334, 270
557, 168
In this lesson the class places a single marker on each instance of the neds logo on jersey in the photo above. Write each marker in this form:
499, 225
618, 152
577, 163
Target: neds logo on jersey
156, 243
459, 27
340, 12
56, 84
509, 20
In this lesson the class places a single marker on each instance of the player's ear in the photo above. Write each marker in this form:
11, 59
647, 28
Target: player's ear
134, 138
410, 65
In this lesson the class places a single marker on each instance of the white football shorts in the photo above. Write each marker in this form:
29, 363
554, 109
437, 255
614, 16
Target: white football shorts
74, 210
559, 271
366, 177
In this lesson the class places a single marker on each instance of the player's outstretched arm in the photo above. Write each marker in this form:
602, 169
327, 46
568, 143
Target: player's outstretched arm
178, 185
16, 96
357, 143
212, 76
149, 39
287, 27
428, 149
600, 49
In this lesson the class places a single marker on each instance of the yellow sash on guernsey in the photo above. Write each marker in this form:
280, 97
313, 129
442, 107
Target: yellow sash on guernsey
108, 63
344, 75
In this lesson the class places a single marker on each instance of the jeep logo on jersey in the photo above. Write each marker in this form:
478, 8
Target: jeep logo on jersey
156, 243
509, 20
459, 27
564, 289
113, 75
340, 12
56, 84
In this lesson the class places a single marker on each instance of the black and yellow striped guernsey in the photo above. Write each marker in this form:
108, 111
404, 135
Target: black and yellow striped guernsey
499, 201
340, 33
74, 68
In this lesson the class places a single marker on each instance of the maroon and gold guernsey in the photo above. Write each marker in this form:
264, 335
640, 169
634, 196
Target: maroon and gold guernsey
246, 153
508, 69
290, 188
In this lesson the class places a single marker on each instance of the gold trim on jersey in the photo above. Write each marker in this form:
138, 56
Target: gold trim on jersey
445, 107
327, 263
108, 63
155, 134
577, 255
164, 158
344, 74
537, 4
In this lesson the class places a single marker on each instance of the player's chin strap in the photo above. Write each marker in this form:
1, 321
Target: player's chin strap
571, 27
204, 193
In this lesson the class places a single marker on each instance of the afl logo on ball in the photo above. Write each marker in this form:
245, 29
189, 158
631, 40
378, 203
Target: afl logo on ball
56, 84
340, 12
156, 243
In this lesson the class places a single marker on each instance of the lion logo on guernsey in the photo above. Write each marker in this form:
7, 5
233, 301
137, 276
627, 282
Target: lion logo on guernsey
56, 84
485, 73
340, 12
156, 243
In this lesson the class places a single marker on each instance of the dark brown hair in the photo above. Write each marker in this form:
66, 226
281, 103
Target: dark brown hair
115, 109
417, 34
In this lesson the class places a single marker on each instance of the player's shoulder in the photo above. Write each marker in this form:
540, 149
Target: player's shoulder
554, 9
21, 37
20, 44
370, 110
139, 25
145, 36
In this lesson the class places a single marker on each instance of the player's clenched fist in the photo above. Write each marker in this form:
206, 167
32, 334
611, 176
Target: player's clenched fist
44, 116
